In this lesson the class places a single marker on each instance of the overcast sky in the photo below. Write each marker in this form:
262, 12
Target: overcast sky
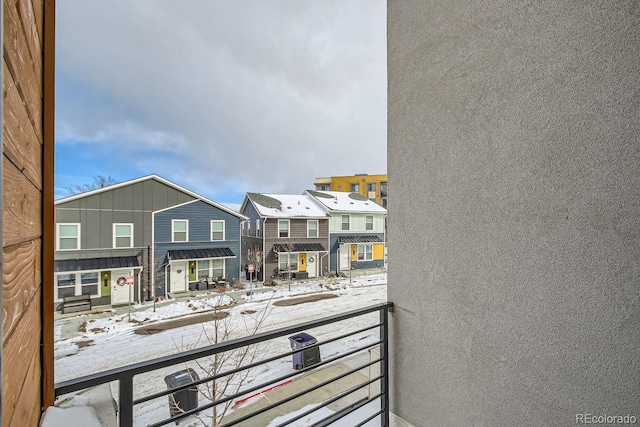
221, 97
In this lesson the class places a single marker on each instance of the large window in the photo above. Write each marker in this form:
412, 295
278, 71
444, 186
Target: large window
283, 228
355, 188
346, 222
217, 230
365, 252
179, 230
122, 235
89, 282
66, 284
211, 268
371, 186
312, 228
368, 222
288, 262
68, 237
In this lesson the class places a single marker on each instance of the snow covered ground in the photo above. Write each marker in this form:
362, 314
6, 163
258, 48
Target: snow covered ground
107, 340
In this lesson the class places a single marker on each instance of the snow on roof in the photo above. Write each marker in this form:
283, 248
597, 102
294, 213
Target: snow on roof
286, 205
345, 202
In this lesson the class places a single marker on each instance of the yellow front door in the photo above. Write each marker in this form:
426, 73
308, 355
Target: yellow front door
302, 262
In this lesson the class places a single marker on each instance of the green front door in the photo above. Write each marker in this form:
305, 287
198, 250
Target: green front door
105, 283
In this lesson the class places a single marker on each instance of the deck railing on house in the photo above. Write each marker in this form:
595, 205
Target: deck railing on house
372, 407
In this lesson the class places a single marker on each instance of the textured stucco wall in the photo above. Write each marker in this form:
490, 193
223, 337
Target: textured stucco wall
514, 130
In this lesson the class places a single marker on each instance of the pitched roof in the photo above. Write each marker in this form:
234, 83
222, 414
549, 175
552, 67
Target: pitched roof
145, 178
285, 206
340, 201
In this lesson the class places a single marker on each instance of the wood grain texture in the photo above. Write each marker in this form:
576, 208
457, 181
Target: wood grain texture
21, 275
21, 66
21, 207
19, 350
48, 8
38, 12
27, 408
21, 145
30, 28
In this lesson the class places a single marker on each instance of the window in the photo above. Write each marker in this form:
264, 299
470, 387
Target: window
217, 230
365, 252
122, 235
288, 262
283, 228
89, 282
179, 230
384, 203
368, 222
355, 188
323, 187
213, 268
346, 220
312, 228
68, 237
371, 186
203, 269
383, 189
257, 227
66, 284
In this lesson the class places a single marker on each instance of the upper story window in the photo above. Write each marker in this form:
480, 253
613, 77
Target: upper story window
283, 228
179, 230
257, 227
217, 230
371, 186
312, 228
346, 222
323, 187
355, 187
383, 189
68, 237
122, 235
368, 222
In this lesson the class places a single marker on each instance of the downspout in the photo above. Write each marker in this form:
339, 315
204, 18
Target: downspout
140, 286
322, 271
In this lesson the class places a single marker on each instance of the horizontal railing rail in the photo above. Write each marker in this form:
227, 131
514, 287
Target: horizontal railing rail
125, 375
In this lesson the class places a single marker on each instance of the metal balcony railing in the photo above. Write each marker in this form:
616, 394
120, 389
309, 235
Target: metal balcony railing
371, 406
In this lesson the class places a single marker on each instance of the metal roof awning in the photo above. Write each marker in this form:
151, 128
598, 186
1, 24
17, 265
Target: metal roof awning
299, 247
87, 264
359, 239
201, 253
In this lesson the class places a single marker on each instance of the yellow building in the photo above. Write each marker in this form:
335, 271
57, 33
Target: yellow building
373, 187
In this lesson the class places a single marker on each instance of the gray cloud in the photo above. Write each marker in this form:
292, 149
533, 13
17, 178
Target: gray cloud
264, 95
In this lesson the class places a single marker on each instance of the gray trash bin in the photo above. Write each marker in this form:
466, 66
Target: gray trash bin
308, 356
182, 400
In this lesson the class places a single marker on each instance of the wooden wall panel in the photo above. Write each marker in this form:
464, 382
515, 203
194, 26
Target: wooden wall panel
18, 58
21, 145
19, 350
21, 275
21, 207
28, 407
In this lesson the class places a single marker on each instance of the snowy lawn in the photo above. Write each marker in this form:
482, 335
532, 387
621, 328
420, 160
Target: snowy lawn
108, 340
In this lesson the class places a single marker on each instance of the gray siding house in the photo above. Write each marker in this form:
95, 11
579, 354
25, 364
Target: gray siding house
105, 239
293, 234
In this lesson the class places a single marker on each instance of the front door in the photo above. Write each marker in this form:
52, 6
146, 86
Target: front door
312, 264
105, 283
120, 291
302, 262
178, 277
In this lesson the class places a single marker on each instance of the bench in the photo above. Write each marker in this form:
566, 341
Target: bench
74, 303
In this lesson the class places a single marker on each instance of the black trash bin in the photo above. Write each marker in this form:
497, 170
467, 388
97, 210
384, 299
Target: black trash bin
308, 356
182, 400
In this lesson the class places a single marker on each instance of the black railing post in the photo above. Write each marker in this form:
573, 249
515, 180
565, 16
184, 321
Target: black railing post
384, 366
125, 406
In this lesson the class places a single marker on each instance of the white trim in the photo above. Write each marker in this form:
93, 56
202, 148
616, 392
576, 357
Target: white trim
288, 228
145, 178
317, 228
173, 221
224, 230
342, 222
114, 235
372, 222
77, 224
